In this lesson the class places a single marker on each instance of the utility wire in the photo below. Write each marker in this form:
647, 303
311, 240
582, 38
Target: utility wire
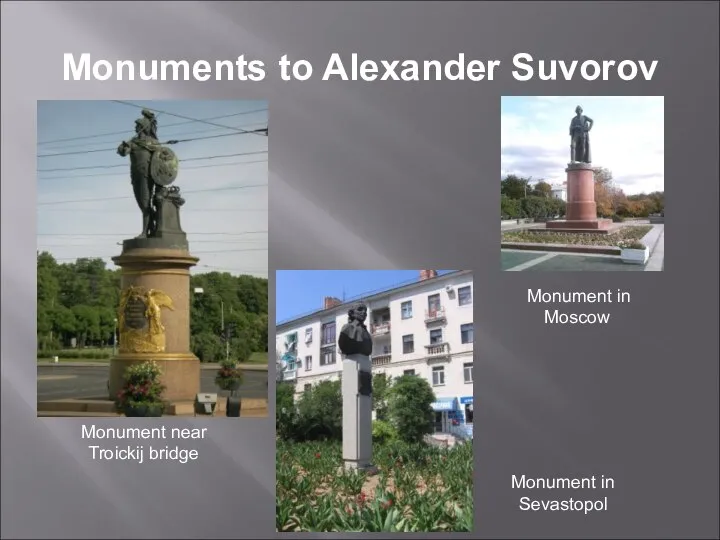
123, 132
173, 141
86, 144
194, 253
185, 210
181, 116
128, 197
125, 234
210, 165
125, 164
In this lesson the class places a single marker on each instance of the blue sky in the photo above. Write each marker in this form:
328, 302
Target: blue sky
627, 137
226, 228
299, 292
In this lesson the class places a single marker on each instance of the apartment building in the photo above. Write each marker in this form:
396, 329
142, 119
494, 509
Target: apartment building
424, 328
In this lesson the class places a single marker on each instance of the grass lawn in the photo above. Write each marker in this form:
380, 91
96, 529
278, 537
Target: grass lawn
417, 489
628, 232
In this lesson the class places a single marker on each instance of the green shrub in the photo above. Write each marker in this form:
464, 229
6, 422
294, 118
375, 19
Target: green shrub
410, 408
383, 432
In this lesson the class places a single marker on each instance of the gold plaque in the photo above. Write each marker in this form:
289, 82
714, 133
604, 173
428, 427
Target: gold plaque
139, 320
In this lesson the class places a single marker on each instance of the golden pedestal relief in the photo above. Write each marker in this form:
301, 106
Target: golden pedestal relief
139, 320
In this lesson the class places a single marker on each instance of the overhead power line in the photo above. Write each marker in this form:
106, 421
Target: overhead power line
210, 165
241, 233
127, 211
182, 160
174, 141
214, 252
230, 188
184, 133
182, 116
123, 132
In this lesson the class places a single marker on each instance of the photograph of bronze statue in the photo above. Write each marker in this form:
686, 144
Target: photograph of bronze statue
576, 215
153, 167
161, 334
580, 127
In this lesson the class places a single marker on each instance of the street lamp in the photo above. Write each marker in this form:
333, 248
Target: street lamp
115, 337
200, 290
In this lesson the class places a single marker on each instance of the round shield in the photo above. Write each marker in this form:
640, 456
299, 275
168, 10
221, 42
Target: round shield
163, 166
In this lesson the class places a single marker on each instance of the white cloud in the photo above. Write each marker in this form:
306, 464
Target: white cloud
627, 138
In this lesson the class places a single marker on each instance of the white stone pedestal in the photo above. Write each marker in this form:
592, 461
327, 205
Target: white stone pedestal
357, 414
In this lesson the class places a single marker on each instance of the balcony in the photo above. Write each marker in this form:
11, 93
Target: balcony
380, 329
289, 375
435, 315
437, 351
381, 360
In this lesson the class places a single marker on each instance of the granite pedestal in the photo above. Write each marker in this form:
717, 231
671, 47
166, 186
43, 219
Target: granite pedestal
357, 412
158, 330
581, 208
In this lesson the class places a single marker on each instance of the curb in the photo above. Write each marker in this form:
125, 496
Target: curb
561, 248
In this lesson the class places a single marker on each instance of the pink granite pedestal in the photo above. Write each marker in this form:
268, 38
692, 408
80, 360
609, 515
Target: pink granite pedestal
581, 213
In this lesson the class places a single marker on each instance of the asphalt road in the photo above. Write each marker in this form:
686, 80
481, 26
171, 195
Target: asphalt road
68, 382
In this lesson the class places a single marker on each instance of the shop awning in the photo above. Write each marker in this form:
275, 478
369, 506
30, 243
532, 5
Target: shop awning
445, 404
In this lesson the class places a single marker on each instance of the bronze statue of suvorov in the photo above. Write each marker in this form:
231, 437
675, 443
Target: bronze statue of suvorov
354, 336
580, 127
153, 167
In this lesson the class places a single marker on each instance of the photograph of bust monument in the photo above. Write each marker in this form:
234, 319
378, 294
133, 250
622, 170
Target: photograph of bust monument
139, 265
569, 203
374, 400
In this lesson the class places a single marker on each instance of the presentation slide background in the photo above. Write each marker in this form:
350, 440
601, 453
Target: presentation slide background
399, 175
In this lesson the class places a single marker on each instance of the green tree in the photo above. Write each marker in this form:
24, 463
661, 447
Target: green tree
510, 208
285, 411
542, 189
320, 411
515, 187
381, 384
410, 407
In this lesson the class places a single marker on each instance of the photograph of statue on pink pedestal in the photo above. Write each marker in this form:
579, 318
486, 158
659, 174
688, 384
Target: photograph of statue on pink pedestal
577, 209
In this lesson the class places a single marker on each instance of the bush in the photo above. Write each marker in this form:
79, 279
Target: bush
410, 408
618, 219
383, 432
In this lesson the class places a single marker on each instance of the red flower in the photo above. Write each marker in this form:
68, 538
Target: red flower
318, 455
361, 498
386, 503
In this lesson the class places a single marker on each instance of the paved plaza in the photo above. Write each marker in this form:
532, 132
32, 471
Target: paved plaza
517, 260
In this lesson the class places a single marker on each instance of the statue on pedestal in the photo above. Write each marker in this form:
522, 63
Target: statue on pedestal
153, 167
580, 127
354, 336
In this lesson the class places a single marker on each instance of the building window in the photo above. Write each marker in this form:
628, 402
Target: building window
469, 413
408, 344
409, 372
465, 296
406, 310
466, 333
436, 336
387, 349
308, 363
468, 372
327, 336
438, 376
327, 356
308, 335
308, 386
434, 303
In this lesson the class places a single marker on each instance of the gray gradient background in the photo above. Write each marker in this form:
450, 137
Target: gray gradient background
399, 175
